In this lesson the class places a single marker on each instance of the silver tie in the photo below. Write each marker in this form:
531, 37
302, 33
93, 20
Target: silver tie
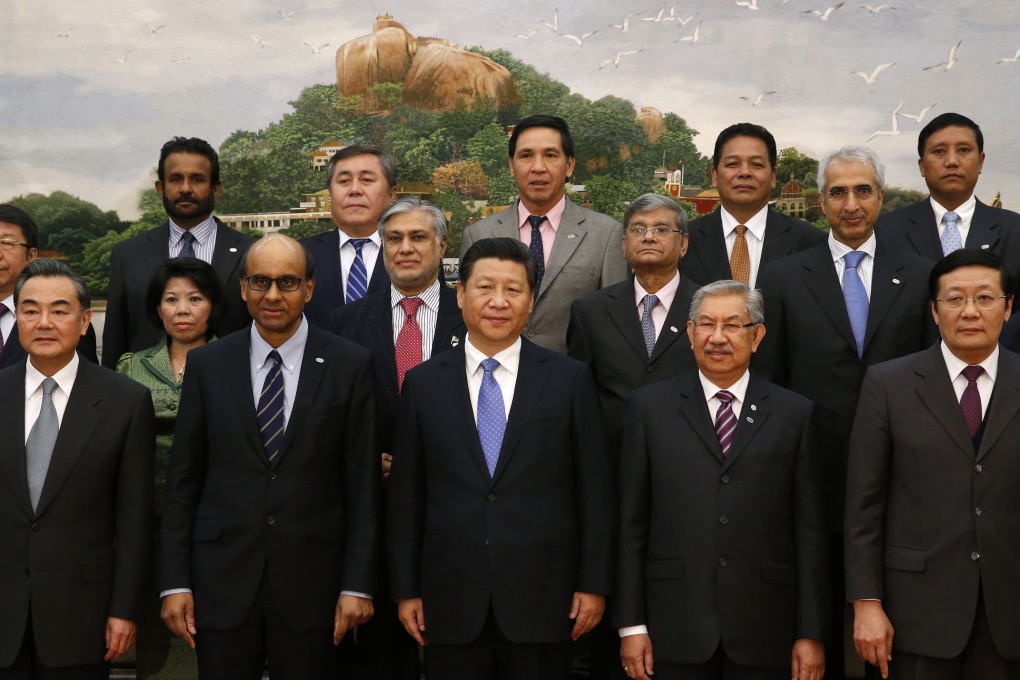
41, 440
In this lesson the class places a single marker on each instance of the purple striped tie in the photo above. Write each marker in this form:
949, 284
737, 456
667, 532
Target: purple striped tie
970, 401
725, 420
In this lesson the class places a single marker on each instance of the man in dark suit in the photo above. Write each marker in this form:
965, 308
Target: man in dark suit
413, 320
932, 513
76, 507
722, 570
269, 542
832, 311
360, 180
501, 511
189, 184
576, 249
743, 235
19, 245
950, 151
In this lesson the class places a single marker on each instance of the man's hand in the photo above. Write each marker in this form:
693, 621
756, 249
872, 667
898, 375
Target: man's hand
387, 463
807, 660
351, 611
178, 613
412, 615
120, 635
586, 611
636, 655
873, 634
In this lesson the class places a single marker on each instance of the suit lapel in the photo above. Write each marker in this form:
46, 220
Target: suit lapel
453, 390
568, 237
695, 411
676, 318
531, 379
13, 351
327, 268
238, 370
984, 229
313, 367
380, 331
935, 390
778, 243
623, 314
12, 422
821, 281
923, 232
1004, 402
886, 284
711, 249
449, 322
228, 251
751, 418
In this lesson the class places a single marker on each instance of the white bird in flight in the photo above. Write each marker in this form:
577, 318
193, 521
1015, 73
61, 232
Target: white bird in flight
1009, 60
657, 19
694, 37
625, 26
919, 117
749, 4
684, 22
823, 16
286, 15
179, 61
155, 29
555, 25
876, 10
616, 62
888, 133
579, 41
260, 41
873, 76
757, 100
122, 58
528, 36
316, 48
946, 65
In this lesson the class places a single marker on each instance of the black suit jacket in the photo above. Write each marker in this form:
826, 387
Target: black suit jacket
809, 346
706, 260
715, 549
605, 332
132, 264
912, 229
329, 289
309, 522
84, 554
369, 323
913, 536
14, 353
522, 541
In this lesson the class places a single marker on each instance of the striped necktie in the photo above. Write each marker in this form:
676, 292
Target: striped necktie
357, 277
270, 408
725, 420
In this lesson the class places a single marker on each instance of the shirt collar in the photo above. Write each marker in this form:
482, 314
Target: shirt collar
64, 377
373, 237
509, 358
201, 231
291, 351
955, 365
554, 215
665, 294
737, 389
429, 296
9, 303
755, 225
965, 210
838, 249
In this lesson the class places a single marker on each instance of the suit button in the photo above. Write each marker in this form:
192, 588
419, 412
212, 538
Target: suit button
270, 520
722, 562
650, 369
724, 520
977, 468
725, 479
272, 476
492, 497
978, 511
975, 556
35, 526
531, 334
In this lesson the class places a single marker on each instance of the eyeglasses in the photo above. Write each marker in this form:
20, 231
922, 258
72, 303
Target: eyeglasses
708, 327
640, 232
862, 192
286, 284
8, 244
981, 300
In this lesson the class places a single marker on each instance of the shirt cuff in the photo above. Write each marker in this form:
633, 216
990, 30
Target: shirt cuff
174, 591
627, 631
364, 596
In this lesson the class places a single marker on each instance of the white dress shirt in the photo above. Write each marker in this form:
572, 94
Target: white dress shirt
755, 237
985, 382
665, 295
292, 352
964, 210
864, 269
205, 239
369, 253
34, 393
505, 374
427, 316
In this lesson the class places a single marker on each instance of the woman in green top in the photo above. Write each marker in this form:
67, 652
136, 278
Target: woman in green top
185, 299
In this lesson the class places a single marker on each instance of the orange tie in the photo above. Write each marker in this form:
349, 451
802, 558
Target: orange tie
740, 260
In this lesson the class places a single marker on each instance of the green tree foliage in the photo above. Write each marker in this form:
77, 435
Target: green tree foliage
304, 228
897, 198
489, 147
66, 223
459, 216
792, 163
611, 196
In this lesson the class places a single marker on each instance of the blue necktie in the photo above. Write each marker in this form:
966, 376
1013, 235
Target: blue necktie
357, 277
951, 239
41, 440
647, 325
491, 415
270, 408
188, 244
536, 248
856, 298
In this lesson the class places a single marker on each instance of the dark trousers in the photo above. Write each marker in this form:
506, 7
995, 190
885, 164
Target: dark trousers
243, 653
719, 667
493, 657
835, 639
28, 665
380, 649
603, 651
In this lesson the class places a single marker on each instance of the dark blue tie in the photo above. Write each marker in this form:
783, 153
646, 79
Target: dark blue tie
357, 277
187, 244
270, 408
856, 297
491, 415
536, 248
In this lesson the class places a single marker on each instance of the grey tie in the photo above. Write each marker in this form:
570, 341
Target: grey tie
188, 248
647, 325
42, 438
951, 237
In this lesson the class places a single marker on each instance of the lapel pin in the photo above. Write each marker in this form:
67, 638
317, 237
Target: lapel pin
233, 250
454, 341
750, 419
673, 328
896, 281
985, 246
753, 407
575, 236
320, 360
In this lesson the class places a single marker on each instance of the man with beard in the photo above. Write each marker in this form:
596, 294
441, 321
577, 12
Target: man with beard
189, 183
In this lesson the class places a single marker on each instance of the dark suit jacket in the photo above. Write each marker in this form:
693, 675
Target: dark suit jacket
522, 541
913, 536
132, 264
369, 322
586, 256
912, 229
329, 289
605, 332
810, 349
14, 353
706, 260
84, 554
714, 549
309, 521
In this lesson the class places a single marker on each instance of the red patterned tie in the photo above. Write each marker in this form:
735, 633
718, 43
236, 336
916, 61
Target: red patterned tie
970, 402
408, 340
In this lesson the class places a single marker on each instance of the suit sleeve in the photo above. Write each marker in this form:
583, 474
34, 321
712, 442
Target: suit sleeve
813, 599
134, 513
115, 325
467, 238
405, 521
635, 512
769, 361
614, 266
868, 475
577, 336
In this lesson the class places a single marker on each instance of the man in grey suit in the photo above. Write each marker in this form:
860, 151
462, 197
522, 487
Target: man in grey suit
932, 511
577, 250
740, 238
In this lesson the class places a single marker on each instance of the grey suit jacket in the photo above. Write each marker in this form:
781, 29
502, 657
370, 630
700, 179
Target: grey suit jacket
586, 256
931, 522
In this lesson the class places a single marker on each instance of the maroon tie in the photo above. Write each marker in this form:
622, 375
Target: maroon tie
725, 420
970, 402
408, 340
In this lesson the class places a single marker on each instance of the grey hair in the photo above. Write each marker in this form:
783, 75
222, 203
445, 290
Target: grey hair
649, 202
49, 268
754, 303
852, 154
410, 204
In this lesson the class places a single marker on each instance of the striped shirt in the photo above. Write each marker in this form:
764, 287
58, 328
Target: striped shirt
205, 239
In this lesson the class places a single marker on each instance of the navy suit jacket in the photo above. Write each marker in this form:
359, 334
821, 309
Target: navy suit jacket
329, 289
706, 259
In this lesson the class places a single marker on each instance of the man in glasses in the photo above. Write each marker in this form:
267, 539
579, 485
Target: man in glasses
932, 515
722, 570
832, 311
269, 547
